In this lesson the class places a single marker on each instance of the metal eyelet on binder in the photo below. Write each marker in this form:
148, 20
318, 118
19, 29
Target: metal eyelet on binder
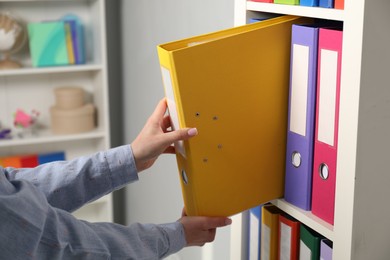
296, 159
184, 176
324, 171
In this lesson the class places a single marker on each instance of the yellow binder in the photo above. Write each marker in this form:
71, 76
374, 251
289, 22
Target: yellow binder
270, 232
231, 85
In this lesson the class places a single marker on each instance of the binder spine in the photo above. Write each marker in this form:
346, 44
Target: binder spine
326, 133
177, 122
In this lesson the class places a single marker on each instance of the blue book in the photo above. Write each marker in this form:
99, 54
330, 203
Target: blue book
254, 233
77, 31
326, 3
51, 157
309, 2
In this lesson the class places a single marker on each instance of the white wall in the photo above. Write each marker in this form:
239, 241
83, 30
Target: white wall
156, 198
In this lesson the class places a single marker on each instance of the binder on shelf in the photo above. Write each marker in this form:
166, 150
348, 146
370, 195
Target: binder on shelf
254, 232
287, 2
326, 3
309, 245
288, 237
309, 2
339, 4
327, 117
326, 249
270, 231
301, 117
212, 80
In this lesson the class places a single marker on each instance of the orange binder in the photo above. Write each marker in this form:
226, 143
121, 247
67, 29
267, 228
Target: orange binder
231, 85
288, 237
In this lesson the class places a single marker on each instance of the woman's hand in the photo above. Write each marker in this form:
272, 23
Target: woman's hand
156, 138
201, 230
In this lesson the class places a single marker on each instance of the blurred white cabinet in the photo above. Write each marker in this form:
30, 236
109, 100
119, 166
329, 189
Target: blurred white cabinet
33, 88
361, 229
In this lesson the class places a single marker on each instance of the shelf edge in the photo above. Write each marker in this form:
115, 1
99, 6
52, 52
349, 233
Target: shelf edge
306, 217
307, 11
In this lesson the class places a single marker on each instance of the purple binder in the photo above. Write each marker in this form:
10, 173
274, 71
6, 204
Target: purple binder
300, 132
326, 249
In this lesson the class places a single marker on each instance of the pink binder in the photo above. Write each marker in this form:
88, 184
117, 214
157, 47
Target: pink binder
327, 117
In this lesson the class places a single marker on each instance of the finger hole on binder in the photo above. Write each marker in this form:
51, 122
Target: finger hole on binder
184, 176
296, 159
324, 171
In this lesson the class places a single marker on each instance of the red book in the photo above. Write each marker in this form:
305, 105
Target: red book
29, 161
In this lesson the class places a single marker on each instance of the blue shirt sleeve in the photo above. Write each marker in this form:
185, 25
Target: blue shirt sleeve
33, 227
70, 184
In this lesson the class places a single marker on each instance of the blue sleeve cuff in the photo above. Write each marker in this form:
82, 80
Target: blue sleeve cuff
176, 236
122, 166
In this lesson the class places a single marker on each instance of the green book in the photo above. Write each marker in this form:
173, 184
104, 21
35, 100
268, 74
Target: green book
310, 242
47, 42
287, 2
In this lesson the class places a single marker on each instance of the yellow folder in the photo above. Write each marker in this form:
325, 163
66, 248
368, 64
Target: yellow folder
232, 85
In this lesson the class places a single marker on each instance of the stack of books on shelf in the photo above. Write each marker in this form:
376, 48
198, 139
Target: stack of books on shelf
337, 4
54, 43
31, 160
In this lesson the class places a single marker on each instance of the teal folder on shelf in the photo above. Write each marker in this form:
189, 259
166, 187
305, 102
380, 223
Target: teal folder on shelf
48, 43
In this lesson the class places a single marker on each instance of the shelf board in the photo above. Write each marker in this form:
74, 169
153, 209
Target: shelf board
306, 217
47, 137
52, 70
307, 11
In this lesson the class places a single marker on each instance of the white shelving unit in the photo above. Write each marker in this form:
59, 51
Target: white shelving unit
361, 229
33, 88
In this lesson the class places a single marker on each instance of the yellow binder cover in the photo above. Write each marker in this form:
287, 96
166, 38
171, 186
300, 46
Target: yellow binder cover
231, 85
